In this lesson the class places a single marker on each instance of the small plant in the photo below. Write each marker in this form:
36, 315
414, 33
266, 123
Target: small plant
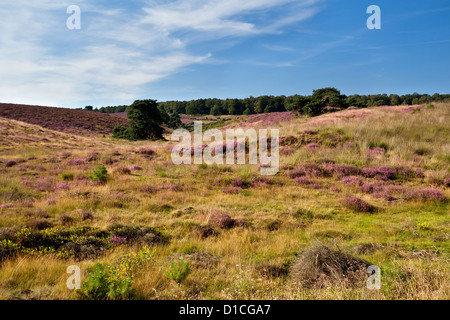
114, 281
424, 226
179, 270
67, 176
99, 174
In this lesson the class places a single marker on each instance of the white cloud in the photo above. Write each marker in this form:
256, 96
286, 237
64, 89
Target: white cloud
117, 51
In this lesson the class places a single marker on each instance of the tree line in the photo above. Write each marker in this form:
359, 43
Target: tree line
322, 100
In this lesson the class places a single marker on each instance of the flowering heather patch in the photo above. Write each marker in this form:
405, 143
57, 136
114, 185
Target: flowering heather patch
51, 201
109, 161
93, 156
307, 169
117, 240
311, 132
147, 151
408, 173
357, 205
76, 162
376, 151
240, 183
286, 151
371, 187
352, 180
31, 158
172, 187
347, 145
6, 205
312, 146
62, 186
148, 189
340, 171
427, 194
122, 170
42, 184
259, 180
305, 182
65, 155
382, 173
232, 190
135, 167
116, 153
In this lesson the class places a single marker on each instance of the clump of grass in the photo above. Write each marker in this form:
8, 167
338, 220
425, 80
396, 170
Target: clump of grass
178, 271
320, 266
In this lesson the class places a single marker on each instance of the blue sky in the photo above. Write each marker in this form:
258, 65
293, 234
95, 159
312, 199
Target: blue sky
189, 49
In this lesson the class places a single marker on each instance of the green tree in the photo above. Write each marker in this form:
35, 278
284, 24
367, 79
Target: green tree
322, 98
145, 120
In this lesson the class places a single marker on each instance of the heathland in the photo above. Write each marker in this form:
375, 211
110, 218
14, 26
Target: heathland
355, 188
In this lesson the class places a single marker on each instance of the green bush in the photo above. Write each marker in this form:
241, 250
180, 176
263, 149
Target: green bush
99, 174
179, 270
114, 281
67, 176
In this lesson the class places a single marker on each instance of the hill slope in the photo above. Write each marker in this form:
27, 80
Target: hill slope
62, 119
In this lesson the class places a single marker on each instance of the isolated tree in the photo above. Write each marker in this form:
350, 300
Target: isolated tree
89, 108
322, 98
144, 122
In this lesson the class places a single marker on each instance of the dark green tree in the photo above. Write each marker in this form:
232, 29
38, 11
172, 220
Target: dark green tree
322, 98
144, 120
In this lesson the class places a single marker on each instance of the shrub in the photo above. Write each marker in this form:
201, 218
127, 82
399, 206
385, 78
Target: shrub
358, 205
223, 221
114, 281
67, 176
352, 180
122, 170
179, 270
427, 194
10, 163
305, 182
99, 174
146, 151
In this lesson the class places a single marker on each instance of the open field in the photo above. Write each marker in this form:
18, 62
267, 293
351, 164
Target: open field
371, 183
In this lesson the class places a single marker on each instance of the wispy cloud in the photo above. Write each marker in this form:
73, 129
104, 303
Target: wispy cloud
118, 51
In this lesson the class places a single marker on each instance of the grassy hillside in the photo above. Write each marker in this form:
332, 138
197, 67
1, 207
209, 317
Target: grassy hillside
372, 184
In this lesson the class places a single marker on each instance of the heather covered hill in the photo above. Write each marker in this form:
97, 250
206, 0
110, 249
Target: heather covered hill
62, 119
